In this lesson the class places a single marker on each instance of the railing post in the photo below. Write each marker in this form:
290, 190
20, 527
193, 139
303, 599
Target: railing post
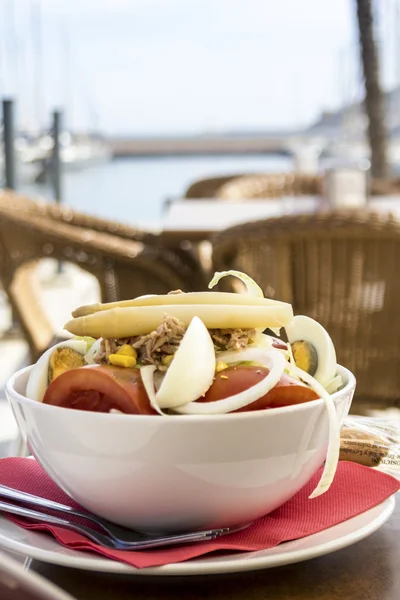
56, 158
10, 175
9, 148
56, 167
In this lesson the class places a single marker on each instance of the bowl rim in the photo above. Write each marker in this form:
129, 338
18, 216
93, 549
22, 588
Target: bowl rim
256, 414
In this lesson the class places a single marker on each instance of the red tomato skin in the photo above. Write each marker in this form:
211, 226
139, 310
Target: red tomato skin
100, 388
233, 380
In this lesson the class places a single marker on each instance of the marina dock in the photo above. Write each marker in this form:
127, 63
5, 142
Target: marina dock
205, 145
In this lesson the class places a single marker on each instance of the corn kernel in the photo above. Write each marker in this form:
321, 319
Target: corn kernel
167, 360
220, 366
120, 360
127, 350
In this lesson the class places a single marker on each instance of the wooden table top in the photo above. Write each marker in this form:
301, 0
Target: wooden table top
368, 570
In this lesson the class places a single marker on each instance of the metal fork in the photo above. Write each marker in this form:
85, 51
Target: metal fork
105, 540
95, 536
114, 536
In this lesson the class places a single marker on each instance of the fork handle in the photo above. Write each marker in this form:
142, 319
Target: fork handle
31, 514
7, 492
95, 536
28, 513
145, 542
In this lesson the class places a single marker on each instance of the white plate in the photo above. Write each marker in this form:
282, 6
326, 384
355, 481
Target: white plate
45, 548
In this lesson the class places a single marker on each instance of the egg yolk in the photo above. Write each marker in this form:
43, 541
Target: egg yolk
63, 359
305, 356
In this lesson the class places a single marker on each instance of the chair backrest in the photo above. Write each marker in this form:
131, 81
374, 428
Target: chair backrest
242, 186
338, 268
182, 260
270, 185
10, 200
208, 187
124, 268
255, 185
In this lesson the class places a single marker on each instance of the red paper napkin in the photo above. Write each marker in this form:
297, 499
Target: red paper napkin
354, 490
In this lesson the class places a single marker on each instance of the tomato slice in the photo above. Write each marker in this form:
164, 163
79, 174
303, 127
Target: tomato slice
234, 380
100, 388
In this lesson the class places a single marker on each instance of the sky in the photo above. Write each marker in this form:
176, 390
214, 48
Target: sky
148, 67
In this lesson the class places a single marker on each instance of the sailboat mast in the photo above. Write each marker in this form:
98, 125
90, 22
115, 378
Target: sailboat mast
9, 50
3, 78
37, 42
68, 99
396, 111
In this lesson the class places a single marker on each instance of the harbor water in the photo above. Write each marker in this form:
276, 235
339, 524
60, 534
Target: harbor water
135, 190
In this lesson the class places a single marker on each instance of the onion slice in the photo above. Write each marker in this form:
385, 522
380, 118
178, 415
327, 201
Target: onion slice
332, 453
334, 384
273, 359
253, 289
147, 375
94, 349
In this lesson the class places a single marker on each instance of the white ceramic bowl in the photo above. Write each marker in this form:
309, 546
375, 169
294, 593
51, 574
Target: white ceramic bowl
182, 472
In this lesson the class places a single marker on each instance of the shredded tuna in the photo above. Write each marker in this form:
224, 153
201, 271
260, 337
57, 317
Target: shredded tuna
155, 347
232, 339
151, 348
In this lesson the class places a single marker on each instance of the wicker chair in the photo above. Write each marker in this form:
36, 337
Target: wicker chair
183, 260
208, 188
124, 268
340, 269
269, 185
274, 185
10, 200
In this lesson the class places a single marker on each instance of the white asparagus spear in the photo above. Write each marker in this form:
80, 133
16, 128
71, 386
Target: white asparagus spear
183, 298
139, 320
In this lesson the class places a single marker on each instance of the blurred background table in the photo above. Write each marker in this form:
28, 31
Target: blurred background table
197, 220
367, 570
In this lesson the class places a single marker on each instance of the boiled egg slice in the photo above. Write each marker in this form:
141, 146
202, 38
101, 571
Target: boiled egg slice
192, 369
55, 361
312, 347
